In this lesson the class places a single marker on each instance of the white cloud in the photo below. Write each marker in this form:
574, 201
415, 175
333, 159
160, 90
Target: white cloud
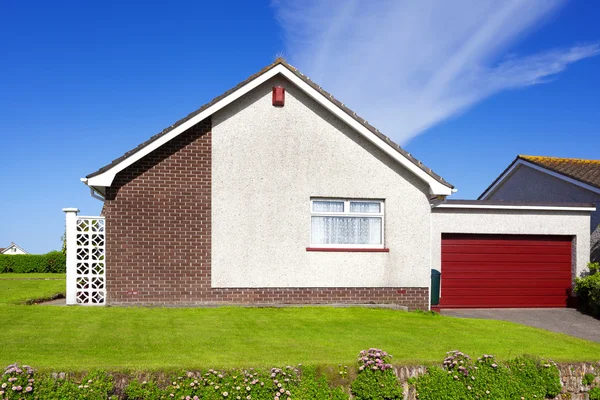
407, 65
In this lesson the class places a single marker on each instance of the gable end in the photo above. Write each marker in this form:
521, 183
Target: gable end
104, 177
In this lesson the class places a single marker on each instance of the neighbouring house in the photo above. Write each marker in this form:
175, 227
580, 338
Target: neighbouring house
276, 192
552, 179
13, 249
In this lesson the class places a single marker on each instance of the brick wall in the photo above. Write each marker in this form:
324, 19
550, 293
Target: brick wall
158, 227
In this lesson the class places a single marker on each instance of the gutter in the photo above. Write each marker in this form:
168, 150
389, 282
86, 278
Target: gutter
532, 207
95, 193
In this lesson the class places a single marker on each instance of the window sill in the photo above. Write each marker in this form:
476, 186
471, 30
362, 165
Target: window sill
348, 249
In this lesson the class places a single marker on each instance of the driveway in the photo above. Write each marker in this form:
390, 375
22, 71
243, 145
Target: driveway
562, 320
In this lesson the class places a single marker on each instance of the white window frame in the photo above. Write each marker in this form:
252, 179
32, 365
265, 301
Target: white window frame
347, 213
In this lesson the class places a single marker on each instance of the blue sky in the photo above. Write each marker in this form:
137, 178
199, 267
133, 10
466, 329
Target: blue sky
83, 82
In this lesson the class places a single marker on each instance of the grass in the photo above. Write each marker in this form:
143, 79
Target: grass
22, 288
76, 338
83, 338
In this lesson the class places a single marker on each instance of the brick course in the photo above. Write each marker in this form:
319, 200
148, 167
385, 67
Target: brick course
158, 230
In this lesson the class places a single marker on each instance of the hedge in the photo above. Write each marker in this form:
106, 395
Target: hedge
55, 261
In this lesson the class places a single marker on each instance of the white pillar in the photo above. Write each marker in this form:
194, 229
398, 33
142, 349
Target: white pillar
71, 237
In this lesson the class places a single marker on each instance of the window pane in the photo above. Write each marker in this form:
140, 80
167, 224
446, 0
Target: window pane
328, 206
365, 206
346, 230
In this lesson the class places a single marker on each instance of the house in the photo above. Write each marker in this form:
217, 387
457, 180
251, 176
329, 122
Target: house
543, 179
13, 249
276, 192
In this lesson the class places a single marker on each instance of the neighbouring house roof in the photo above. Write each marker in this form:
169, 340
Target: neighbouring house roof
587, 171
1, 250
582, 172
104, 176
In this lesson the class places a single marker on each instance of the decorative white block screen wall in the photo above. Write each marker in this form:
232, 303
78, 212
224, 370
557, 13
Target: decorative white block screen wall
86, 264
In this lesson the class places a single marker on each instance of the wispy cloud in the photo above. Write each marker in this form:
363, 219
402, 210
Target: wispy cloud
407, 65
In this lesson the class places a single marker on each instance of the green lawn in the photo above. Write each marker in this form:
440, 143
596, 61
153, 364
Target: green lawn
20, 288
75, 338
81, 338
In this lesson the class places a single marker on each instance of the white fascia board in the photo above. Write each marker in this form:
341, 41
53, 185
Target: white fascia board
511, 207
106, 178
520, 162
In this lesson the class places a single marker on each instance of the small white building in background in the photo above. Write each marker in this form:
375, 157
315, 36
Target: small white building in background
13, 249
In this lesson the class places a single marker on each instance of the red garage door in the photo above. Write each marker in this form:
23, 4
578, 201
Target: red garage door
505, 271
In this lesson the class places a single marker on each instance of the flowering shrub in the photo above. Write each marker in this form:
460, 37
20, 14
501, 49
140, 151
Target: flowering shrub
220, 385
274, 384
96, 385
456, 360
460, 378
375, 359
376, 378
17, 382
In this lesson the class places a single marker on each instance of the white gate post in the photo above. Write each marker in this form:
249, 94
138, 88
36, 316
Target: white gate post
71, 238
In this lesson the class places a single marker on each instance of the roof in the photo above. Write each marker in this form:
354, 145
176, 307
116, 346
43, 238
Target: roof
516, 205
13, 244
303, 78
2, 249
583, 171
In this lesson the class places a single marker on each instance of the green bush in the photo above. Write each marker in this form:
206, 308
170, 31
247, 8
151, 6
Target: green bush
594, 393
461, 378
588, 290
145, 390
315, 386
588, 379
377, 385
55, 261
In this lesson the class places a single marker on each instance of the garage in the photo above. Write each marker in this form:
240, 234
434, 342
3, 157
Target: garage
480, 271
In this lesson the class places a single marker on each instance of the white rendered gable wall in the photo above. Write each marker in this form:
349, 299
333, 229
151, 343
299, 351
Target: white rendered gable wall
267, 164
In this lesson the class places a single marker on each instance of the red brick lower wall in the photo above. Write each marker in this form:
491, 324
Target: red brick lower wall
413, 298
158, 236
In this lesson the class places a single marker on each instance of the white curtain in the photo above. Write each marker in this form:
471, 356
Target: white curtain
346, 230
365, 207
328, 206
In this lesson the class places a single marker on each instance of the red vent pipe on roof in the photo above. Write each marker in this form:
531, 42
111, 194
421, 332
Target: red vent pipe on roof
278, 96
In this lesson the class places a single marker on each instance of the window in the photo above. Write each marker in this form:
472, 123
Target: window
346, 223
